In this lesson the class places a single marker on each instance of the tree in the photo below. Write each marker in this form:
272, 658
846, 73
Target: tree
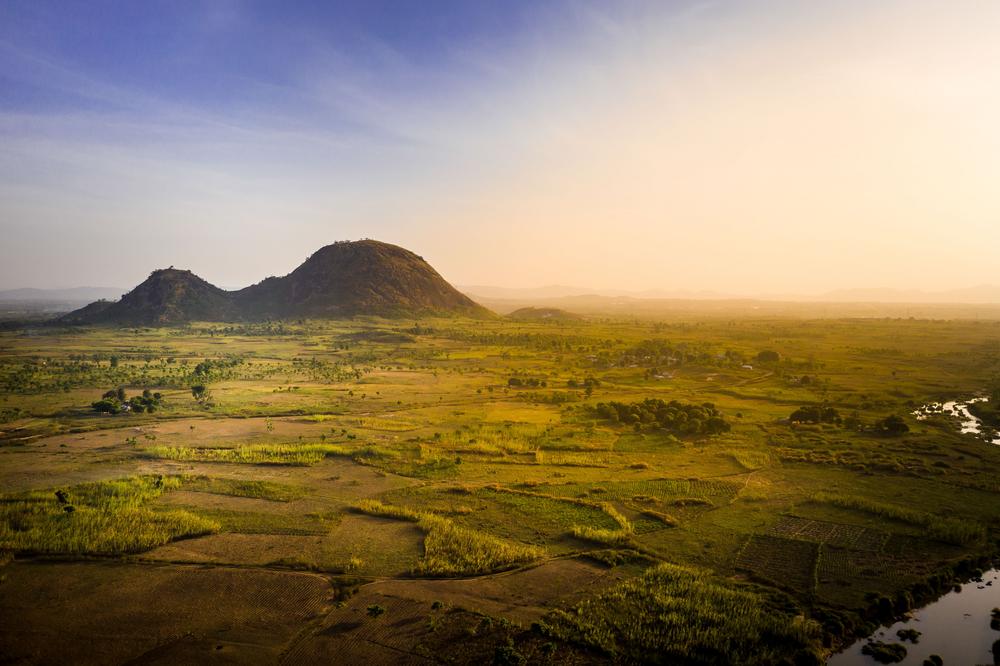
768, 356
107, 406
198, 391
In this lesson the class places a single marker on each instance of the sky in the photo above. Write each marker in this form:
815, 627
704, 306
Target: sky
746, 147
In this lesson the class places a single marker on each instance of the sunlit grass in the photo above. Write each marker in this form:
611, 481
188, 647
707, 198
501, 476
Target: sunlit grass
684, 616
265, 454
451, 550
949, 530
104, 518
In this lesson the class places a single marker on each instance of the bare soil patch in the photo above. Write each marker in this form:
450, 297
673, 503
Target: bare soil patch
243, 549
103, 613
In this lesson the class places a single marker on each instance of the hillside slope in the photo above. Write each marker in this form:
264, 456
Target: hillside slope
352, 278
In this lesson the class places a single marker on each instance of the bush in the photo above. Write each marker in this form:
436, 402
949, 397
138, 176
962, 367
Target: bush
107, 406
507, 655
892, 426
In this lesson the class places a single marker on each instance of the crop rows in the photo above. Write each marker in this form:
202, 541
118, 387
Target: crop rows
846, 536
784, 562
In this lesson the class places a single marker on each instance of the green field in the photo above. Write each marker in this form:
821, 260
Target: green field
562, 492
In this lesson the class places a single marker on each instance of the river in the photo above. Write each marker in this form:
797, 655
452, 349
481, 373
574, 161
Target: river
956, 627
968, 424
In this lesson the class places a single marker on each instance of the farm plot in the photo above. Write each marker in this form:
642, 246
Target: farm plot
786, 563
717, 490
530, 518
835, 534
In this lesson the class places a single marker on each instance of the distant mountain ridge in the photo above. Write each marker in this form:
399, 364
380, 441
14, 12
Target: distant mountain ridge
984, 293
70, 295
981, 294
344, 279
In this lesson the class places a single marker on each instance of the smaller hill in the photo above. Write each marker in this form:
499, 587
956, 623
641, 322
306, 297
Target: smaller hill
87, 314
167, 296
543, 314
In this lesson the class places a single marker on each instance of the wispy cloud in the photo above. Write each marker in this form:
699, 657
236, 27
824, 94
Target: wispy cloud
696, 144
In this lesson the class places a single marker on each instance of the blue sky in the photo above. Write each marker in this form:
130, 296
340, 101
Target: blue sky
750, 147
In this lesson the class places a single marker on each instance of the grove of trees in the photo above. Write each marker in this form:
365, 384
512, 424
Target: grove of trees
675, 417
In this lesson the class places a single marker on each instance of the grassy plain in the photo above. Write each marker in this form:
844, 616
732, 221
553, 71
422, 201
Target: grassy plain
384, 457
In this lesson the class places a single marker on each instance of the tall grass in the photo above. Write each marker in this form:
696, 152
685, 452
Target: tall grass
104, 518
451, 550
949, 530
377, 508
751, 460
386, 424
265, 454
684, 616
606, 537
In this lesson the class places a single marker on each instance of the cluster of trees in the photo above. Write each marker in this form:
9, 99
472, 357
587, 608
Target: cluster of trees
139, 367
890, 426
675, 417
768, 356
652, 353
538, 341
815, 414
201, 393
115, 402
587, 383
526, 382
662, 353
208, 366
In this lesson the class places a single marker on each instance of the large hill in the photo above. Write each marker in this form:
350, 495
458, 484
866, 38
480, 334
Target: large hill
341, 280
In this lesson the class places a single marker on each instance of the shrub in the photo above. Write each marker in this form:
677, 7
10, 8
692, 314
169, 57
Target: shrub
892, 426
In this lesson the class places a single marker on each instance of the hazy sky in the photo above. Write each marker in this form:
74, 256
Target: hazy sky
741, 146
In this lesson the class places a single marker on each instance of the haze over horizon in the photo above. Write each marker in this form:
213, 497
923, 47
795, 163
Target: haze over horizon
752, 148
